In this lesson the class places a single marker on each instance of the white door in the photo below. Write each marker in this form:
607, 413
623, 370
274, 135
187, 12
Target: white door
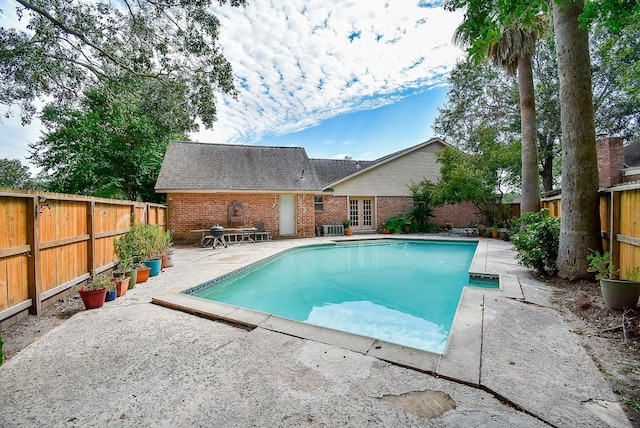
287, 215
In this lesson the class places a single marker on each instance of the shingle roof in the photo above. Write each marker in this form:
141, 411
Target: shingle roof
329, 170
632, 154
199, 166
218, 167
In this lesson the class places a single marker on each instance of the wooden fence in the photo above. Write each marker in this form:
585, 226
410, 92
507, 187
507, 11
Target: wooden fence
619, 223
51, 242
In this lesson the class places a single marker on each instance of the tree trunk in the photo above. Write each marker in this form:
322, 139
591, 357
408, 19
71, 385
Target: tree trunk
580, 230
530, 173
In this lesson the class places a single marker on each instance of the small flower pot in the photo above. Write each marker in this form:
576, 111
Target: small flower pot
155, 265
143, 274
110, 295
133, 277
167, 260
122, 284
93, 299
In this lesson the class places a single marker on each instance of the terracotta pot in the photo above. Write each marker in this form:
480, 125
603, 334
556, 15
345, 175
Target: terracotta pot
93, 299
122, 284
143, 274
348, 232
495, 234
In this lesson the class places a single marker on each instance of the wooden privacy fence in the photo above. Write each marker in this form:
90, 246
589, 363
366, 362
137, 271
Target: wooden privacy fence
51, 242
619, 223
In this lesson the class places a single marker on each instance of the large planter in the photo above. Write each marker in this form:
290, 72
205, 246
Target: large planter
143, 274
619, 294
155, 265
93, 299
133, 277
167, 259
122, 284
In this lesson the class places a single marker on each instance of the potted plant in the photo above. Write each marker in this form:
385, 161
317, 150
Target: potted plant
495, 232
94, 291
167, 254
112, 292
142, 272
617, 293
128, 247
121, 284
347, 225
155, 242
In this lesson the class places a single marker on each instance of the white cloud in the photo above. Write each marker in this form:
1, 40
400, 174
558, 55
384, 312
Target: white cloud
300, 62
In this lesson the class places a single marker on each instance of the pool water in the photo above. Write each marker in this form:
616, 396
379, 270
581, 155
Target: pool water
405, 292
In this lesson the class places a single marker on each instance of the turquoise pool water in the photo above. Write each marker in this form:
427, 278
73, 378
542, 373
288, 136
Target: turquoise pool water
404, 292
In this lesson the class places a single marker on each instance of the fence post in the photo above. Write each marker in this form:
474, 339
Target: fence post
91, 225
33, 261
614, 227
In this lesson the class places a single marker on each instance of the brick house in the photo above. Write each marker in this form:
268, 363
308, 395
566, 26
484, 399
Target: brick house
289, 195
617, 163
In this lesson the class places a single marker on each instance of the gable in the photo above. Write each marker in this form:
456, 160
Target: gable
392, 175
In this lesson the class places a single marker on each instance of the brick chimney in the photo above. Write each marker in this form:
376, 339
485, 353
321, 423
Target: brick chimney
610, 160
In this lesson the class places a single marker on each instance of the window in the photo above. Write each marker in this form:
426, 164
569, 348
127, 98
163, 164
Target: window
319, 203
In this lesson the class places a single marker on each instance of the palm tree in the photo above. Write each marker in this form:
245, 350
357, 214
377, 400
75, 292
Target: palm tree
580, 229
513, 52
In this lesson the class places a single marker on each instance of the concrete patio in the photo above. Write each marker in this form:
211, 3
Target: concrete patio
512, 360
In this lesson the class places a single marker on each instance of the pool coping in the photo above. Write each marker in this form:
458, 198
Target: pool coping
460, 361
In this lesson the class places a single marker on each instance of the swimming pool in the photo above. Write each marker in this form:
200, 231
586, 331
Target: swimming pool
404, 292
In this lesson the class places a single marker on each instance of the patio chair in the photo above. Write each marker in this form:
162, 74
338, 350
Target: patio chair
261, 233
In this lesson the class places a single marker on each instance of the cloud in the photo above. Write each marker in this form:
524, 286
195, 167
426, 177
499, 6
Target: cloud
298, 63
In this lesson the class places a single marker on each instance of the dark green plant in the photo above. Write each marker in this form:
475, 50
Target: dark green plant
537, 244
397, 223
604, 268
422, 208
346, 224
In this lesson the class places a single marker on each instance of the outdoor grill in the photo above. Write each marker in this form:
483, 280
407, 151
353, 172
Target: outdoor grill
217, 231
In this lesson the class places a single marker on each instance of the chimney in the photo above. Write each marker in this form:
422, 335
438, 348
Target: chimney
610, 160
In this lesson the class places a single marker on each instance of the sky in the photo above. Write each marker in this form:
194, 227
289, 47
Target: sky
339, 78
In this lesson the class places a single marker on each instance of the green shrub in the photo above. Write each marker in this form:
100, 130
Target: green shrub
396, 223
537, 245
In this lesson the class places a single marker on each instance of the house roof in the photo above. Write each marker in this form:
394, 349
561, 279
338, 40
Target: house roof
218, 167
189, 166
632, 154
329, 170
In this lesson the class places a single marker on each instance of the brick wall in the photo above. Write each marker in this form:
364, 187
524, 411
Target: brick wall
189, 211
610, 160
458, 215
388, 206
334, 210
